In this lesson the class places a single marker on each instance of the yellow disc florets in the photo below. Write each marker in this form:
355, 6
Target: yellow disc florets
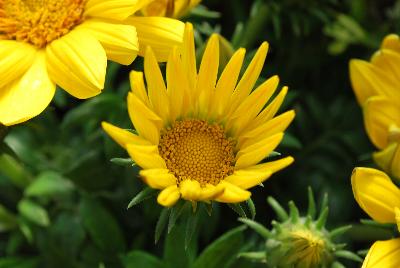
196, 150
39, 22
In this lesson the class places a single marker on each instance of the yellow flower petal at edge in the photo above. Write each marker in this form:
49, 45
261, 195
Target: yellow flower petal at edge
376, 194
198, 149
77, 41
383, 254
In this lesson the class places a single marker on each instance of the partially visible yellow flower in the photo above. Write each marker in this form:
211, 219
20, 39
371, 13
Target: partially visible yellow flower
377, 87
200, 138
68, 42
169, 8
380, 199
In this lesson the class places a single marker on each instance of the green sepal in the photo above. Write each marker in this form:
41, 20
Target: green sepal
146, 193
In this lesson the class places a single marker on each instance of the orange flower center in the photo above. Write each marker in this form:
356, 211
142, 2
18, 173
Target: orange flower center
196, 150
39, 22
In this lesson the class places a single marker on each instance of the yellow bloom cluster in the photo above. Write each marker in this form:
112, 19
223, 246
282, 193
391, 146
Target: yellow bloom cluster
377, 87
44, 43
201, 138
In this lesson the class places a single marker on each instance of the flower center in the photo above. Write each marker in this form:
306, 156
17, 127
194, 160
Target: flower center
196, 150
38, 22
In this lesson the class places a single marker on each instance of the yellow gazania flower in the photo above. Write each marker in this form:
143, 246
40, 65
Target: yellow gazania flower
68, 42
380, 199
198, 138
377, 87
169, 8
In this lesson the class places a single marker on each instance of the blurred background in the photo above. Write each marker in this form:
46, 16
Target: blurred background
63, 202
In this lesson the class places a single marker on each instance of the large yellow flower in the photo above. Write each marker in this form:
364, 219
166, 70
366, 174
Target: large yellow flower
169, 8
377, 87
68, 42
198, 138
379, 198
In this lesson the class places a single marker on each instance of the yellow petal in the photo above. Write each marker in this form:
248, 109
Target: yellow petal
233, 193
15, 59
274, 166
375, 193
227, 82
207, 76
368, 80
123, 137
160, 33
254, 153
156, 87
383, 254
111, 9
384, 158
271, 127
388, 61
77, 62
28, 96
175, 88
391, 41
211, 192
145, 121
252, 105
118, 40
158, 178
169, 196
249, 78
270, 111
137, 86
190, 190
379, 114
188, 55
248, 178
397, 217
147, 157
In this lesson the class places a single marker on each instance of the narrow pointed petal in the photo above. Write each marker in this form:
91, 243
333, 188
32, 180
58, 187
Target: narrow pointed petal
146, 122
111, 9
161, 34
270, 111
254, 153
233, 194
123, 137
227, 82
169, 196
77, 62
273, 166
147, 157
188, 55
207, 77
15, 59
383, 254
249, 78
156, 87
397, 217
253, 104
118, 40
158, 178
28, 96
375, 193
137, 86
248, 178
379, 114
271, 127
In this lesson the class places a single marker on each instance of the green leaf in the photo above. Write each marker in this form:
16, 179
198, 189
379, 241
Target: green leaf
226, 247
175, 254
146, 193
101, 225
251, 207
191, 226
123, 161
14, 170
49, 183
33, 212
138, 258
238, 209
161, 223
12, 262
176, 212
8, 220
260, 229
